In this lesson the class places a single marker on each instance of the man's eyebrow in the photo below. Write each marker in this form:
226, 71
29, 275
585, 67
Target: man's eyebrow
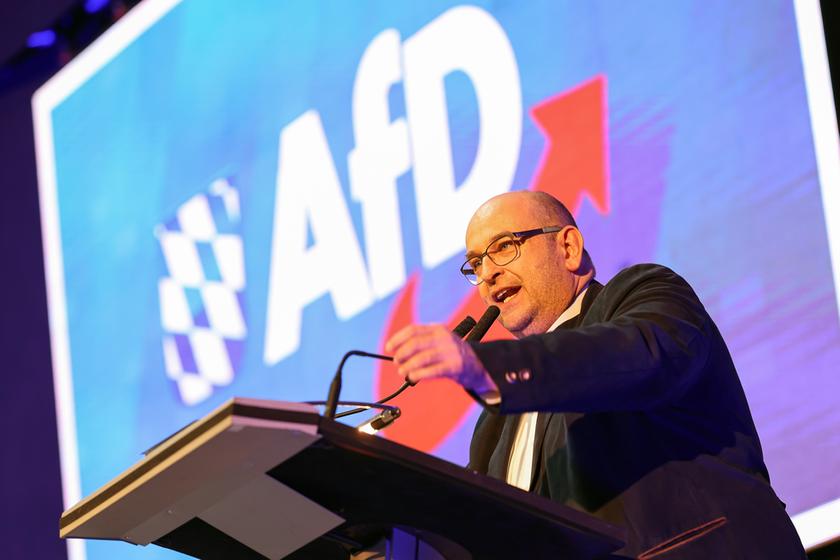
471, 254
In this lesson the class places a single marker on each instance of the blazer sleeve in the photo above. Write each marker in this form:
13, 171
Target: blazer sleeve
650, 347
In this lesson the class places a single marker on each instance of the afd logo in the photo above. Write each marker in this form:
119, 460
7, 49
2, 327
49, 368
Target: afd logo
313, 235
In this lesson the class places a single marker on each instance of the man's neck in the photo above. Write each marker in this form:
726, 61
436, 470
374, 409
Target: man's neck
573, 310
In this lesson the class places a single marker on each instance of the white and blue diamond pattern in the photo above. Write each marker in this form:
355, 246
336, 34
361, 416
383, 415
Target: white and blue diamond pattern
201, 297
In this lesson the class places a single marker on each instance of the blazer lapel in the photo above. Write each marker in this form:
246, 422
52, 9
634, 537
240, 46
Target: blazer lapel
544, 418
592, 292
498, 466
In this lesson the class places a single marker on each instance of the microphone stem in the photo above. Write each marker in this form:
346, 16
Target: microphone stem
335, 386
461, 330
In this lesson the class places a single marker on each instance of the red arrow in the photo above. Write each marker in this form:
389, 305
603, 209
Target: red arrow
574, 161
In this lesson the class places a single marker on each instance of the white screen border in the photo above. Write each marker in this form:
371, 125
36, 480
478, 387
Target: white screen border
821, 524
58, 88
815, 527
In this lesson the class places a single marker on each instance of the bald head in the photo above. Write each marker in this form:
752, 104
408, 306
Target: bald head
536, 204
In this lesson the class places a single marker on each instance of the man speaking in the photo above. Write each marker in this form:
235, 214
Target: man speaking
620, 400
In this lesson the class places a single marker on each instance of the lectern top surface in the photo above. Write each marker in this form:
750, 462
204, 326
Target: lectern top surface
347, 480
302, 416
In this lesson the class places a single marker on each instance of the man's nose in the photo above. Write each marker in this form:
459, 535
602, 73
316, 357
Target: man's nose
490, 271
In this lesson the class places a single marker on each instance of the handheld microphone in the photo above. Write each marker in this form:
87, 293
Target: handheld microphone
484, 324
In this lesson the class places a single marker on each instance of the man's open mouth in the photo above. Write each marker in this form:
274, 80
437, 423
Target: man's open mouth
506, 294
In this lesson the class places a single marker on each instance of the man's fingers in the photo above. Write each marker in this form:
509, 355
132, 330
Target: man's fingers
407, 334
419, 360
415, 338
429, 372
402, 335
414, 345
422, 351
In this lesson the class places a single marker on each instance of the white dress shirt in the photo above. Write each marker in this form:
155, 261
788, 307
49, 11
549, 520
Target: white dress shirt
522, 453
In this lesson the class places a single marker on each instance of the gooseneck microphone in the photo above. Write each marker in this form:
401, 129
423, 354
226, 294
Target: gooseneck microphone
484, 324
335, 386
461, 329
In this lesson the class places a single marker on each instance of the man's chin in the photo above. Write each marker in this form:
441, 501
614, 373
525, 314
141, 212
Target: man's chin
513, 324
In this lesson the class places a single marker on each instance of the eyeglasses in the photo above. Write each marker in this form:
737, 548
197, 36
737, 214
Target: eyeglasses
503, 250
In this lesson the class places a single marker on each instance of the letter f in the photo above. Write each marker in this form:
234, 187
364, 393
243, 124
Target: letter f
381, 155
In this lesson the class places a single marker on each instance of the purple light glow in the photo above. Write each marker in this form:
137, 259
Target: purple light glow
41, 39
92, 6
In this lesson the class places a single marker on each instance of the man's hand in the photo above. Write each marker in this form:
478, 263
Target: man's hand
432, 351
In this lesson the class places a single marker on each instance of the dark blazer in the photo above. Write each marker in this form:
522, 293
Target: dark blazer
643, 424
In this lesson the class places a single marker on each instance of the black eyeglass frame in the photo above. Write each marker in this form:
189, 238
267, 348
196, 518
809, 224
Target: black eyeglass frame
519, 238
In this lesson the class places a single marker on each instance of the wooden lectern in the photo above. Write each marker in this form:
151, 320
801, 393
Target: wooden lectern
265, 479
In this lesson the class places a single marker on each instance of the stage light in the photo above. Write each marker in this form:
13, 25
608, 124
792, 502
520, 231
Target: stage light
41, 39
92, 6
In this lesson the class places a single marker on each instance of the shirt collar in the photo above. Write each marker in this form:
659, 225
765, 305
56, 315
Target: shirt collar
572, 311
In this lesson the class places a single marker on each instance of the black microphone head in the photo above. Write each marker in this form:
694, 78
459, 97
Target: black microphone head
464, 327
483, 324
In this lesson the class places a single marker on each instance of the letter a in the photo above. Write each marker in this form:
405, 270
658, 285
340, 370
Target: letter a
308, 192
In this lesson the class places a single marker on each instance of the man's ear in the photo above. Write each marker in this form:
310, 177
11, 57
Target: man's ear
572, 241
